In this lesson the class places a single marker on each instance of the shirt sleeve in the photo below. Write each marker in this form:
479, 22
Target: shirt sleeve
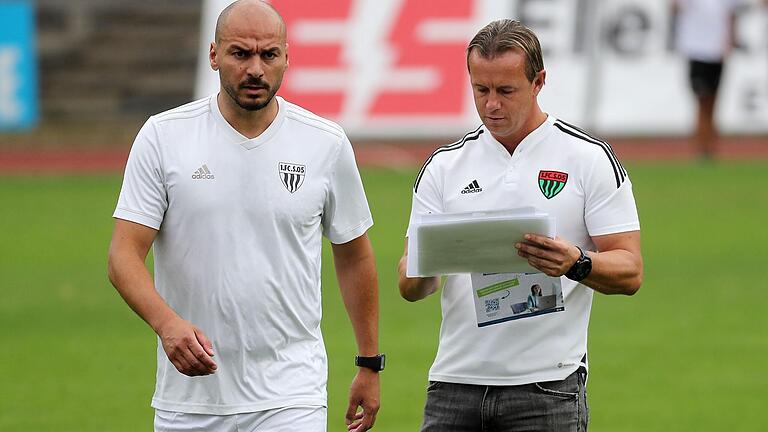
143, 197
346, 215
609, 208
427, 198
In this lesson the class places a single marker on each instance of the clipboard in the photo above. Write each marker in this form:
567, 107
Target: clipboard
473, 242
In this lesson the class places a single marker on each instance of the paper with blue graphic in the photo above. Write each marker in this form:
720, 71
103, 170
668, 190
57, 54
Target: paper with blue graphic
501, 297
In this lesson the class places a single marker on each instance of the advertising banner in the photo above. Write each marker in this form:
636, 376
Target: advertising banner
397, 68
18, 66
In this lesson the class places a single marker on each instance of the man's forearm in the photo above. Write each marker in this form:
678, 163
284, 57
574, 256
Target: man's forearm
416, 288
133, 281
616, 269
615, 272
356, 271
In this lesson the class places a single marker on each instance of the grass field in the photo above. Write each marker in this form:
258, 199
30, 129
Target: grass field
688, 352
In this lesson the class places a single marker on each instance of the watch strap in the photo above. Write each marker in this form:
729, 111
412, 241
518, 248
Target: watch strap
374, 363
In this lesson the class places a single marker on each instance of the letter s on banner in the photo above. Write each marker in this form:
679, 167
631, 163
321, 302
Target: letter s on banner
316, 37
363, 63
429, 64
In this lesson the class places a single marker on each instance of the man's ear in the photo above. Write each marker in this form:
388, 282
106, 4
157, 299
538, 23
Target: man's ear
539, 80
212, 57
287, 60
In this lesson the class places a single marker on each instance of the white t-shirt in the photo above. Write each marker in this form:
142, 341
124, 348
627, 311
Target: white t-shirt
238, 249
596, 199
703, 28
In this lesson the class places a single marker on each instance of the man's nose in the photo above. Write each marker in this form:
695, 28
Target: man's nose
492, 103
255, 68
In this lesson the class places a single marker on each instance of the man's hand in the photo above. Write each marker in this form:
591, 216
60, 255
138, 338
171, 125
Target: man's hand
363, 393
187, 348
554, 257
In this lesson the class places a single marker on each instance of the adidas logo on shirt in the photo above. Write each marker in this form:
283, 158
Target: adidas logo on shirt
203, 173
473, 187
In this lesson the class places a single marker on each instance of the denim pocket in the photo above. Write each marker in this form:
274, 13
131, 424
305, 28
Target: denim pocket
434, 385
566, 389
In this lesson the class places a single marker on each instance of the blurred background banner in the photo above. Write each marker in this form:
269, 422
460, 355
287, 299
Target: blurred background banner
18, 66
397, 69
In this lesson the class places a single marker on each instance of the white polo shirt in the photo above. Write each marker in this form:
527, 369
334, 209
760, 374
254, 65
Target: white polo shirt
238, 249
557, 169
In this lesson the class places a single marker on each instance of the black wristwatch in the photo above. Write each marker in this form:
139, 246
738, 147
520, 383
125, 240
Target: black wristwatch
581, 268
375, 363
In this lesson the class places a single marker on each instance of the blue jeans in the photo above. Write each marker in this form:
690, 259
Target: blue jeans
545, 406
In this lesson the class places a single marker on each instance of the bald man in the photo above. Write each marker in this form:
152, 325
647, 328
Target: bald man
235, 192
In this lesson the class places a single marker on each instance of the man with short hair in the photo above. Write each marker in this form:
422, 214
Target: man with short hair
235, 192
528, 371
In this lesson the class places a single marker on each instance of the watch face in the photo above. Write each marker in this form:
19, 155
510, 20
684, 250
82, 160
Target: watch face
581, 269
584, 268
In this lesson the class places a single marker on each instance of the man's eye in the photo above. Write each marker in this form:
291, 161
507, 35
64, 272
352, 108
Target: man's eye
269, 55
239, 54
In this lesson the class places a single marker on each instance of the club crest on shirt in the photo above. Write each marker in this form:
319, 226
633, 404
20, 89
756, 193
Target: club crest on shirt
552, 183
292, 175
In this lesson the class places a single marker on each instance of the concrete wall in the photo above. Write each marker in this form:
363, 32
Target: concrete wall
108, 60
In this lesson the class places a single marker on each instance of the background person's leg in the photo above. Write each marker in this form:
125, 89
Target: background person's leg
706, 134
705, 83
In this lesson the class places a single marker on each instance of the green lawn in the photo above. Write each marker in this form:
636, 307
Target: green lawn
686, 353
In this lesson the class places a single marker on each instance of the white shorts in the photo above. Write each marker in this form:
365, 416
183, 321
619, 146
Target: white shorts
299, 418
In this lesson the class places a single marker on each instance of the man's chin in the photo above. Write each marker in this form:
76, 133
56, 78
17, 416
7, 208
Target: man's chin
253, 104
496, 129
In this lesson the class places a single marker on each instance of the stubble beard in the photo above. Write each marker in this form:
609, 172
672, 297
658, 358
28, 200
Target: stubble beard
248, 104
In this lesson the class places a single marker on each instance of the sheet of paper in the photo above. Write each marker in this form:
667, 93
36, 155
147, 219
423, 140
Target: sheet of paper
477, 242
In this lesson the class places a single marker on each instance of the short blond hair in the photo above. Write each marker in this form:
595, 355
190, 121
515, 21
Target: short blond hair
504, 35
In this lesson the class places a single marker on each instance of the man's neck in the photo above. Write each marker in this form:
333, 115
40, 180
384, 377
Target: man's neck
511, 142
250, 124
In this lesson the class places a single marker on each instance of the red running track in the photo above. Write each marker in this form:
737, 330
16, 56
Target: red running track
390, 154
